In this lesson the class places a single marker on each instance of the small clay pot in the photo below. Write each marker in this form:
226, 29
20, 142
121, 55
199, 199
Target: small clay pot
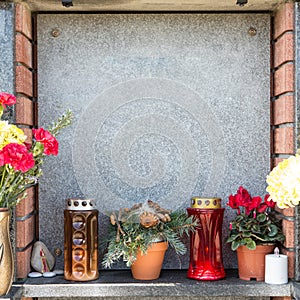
148, 266
251, 263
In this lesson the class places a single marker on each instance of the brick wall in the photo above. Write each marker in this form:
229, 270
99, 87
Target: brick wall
25, 118
283, 108
282, 123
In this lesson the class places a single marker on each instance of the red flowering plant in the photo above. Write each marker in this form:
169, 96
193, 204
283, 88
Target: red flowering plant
255, 222
20, 162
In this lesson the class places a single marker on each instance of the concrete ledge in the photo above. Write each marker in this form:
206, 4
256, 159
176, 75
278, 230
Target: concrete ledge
119, 283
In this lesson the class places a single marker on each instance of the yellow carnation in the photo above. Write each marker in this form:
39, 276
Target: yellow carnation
284, 182
10, 134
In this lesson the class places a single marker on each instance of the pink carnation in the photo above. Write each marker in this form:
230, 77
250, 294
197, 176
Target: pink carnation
7, 99
17, 156
47, 139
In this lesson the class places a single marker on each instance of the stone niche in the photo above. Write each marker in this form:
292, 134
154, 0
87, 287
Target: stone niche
167, 106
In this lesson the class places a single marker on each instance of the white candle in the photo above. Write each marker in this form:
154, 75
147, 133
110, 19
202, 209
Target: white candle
276, 269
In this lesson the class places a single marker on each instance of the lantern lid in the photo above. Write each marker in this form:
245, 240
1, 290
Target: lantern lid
209, 203
80, 204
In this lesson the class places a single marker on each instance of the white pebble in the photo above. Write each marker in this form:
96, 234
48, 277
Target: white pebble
59, 272
49, 274
35, 274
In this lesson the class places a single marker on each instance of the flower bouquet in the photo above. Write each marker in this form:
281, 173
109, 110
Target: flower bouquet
20, 168
20, 161
284, 182
255, 222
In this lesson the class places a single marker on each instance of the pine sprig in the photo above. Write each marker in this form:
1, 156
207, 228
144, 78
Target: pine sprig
135, 237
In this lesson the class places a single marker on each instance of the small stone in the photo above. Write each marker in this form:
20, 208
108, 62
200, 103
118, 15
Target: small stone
59, 272
35, 274
49, 274
41, 258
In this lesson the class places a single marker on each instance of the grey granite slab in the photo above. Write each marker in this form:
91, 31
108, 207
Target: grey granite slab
7, 51
167, 106
171, 285
7, 47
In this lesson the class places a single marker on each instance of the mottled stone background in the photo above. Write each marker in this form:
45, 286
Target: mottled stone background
167, 106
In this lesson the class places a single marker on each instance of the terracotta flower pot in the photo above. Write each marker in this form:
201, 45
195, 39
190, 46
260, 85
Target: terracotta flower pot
148, 266
6, 255
251, 263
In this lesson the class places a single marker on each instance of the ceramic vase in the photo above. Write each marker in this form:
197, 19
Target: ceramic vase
251, 263
6, 255
148, 266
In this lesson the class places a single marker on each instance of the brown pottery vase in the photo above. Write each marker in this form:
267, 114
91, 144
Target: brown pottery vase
6, 255
148, 266
251, 263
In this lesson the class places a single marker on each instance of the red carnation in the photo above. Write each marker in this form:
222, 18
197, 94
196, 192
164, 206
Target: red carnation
2, 162
7, 99
47, 139
18, 157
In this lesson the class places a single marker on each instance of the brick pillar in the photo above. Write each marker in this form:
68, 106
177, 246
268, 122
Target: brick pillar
24, 117
283, 110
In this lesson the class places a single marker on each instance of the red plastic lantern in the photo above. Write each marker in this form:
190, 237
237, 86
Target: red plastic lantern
206, 242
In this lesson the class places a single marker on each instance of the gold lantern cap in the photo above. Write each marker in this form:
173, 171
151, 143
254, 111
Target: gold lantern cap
205, 203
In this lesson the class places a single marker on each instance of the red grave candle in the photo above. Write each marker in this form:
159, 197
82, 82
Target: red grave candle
206, 242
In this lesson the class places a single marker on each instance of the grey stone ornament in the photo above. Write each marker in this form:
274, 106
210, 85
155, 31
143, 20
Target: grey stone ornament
35, 274
41, 258
49, 274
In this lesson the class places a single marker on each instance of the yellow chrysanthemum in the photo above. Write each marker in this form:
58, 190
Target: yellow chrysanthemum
10, 134
284, 182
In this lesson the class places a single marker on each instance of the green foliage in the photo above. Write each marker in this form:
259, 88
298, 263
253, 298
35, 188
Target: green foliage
125, 243
251, 231
64, 121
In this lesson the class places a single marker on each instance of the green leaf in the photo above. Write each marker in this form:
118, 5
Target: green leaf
255, 228
247, 234
239, 218
232, 237
273, 230
261, 217
235, 245
251, 245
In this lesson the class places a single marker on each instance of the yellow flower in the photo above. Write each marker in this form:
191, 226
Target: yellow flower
10, 134
284, 182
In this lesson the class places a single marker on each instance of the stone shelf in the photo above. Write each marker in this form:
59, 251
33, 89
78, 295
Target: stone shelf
15, 293
172, 283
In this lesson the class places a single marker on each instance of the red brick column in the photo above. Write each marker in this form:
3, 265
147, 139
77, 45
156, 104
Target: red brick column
25, 211
283, 108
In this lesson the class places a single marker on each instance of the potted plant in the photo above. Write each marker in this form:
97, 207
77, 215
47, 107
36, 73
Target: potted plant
20, 168
142, 231
253, 232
